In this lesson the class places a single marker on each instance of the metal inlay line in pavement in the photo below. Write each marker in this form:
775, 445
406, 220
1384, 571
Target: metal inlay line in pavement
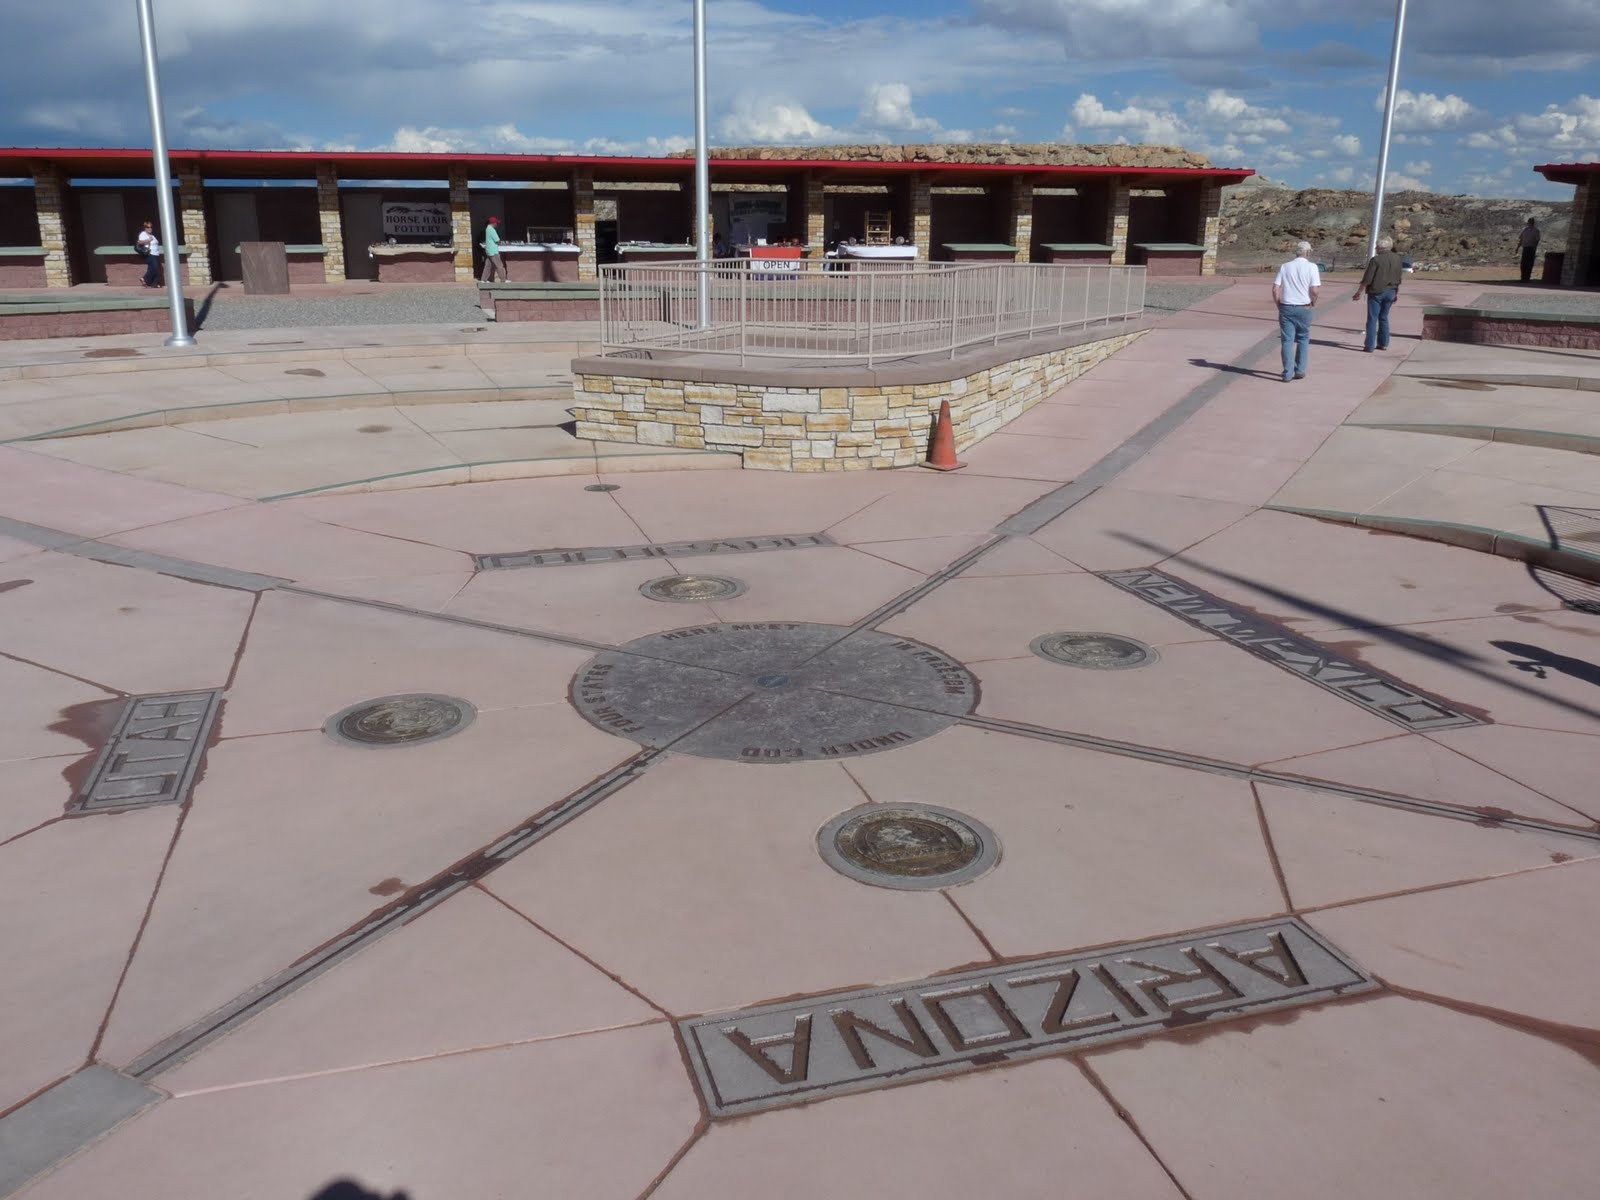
859, 1040
1380, 694
588, 555
1497, 818
413, 904
62, 1120
152, 754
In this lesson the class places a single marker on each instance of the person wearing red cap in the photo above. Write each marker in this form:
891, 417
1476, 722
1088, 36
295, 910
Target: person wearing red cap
492, 261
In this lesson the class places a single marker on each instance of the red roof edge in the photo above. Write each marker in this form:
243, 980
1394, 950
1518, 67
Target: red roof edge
373, 157
1574, 173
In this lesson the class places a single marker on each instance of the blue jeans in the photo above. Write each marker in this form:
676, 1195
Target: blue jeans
1294, 322
1378, 307
152, 270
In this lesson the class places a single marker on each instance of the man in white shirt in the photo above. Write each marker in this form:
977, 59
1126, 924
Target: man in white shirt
1295, 293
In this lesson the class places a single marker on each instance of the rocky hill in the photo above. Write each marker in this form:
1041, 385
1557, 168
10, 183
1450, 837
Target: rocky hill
1261, 222
1055, 153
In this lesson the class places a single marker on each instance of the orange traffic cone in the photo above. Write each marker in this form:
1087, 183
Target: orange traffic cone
942, 443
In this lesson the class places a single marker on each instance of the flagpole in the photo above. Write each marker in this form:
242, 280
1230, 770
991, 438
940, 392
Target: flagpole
172, 258
1388, 126
702, 166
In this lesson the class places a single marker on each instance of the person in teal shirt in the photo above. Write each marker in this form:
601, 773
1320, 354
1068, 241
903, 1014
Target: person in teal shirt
492, 261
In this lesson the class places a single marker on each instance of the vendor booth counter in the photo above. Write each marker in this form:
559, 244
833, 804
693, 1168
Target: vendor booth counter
654, 252
414, 263
22, 267
1086, 253
124, 268
870, 258
541, 262
304, 262
978, 252
1167, 258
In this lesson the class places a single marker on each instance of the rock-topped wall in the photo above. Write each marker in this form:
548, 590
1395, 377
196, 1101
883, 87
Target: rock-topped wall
1045, 153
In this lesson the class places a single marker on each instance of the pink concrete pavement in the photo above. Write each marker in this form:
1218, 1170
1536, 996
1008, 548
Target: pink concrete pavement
516, 1039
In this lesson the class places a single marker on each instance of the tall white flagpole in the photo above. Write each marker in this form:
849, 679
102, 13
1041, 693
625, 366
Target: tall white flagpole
1388, 126
702, 166
172, 259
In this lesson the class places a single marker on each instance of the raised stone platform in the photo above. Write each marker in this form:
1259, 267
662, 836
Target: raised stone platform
1500, 327
517, 300
31, 316
785, 415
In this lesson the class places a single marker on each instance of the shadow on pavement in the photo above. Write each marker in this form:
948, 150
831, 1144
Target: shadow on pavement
1415, 643
348, 1189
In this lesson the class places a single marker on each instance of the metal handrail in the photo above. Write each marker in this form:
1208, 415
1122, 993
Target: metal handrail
818, 310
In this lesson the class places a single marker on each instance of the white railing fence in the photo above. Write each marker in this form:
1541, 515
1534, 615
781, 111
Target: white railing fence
811, 309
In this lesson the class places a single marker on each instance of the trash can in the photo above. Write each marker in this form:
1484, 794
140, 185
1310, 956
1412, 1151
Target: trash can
265, 267
1554, 260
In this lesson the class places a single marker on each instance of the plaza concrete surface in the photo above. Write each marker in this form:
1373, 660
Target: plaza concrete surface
457, 968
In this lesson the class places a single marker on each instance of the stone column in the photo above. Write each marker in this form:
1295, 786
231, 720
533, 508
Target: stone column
332, 219
922, 218
1117, 223
1021, 232
811, 190
583, 222
1582, 236
192, 213
461, 224
1208, 225
49, 201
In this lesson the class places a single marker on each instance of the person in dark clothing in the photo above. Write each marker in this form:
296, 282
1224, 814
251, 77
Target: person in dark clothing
1381, 282
1528, 243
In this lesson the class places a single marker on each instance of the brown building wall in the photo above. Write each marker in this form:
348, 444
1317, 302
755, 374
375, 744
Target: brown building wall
1080, 218
19, 219
1174, 217
652, 216
964, 218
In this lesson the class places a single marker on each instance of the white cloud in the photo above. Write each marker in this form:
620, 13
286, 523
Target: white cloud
1398, 182
759, 119
1574, 126
1569, 131
1423, 110
1238, 116
888, 106
1419, 168
1129, 124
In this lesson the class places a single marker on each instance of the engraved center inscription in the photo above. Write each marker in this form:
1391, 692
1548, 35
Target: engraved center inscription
774, 691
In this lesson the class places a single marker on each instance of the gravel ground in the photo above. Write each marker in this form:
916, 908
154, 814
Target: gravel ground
452, 305
1171, 295
1582, 303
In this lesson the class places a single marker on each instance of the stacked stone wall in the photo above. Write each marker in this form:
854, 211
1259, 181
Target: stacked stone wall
331, 219
48, 203
855, 426
192, 226
1117, 220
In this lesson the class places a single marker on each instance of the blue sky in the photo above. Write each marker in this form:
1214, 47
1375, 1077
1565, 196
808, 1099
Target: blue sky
1279, 85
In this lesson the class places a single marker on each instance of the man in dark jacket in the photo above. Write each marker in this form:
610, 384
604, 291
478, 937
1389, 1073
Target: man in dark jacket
1381, 282
1528, 245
